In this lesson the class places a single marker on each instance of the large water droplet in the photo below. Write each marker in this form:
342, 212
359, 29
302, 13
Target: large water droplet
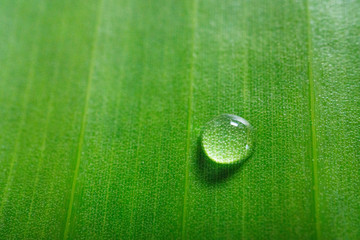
228, 139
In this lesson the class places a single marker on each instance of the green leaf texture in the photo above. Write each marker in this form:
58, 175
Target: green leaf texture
102, 103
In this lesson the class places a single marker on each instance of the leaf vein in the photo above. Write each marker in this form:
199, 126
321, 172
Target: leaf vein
83, 122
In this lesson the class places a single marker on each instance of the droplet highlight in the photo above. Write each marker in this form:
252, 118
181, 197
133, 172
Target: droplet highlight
228, 139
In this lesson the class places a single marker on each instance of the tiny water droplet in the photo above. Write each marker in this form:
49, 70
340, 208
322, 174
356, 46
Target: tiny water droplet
228, 139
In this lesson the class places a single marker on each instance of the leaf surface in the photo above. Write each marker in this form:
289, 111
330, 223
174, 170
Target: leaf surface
102, 104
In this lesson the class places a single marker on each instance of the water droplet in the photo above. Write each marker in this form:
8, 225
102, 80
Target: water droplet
228, 139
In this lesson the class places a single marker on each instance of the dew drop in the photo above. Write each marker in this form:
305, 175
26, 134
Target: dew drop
228, 139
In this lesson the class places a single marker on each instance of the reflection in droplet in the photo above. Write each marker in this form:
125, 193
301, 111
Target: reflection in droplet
228, 139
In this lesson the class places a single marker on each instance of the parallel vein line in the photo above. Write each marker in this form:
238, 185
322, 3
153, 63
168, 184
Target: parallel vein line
44, 140
109, 177
246, 97
83, 123
136, 179
313, 128
164, 76
111, 163
190, 106
30, 77
41, 160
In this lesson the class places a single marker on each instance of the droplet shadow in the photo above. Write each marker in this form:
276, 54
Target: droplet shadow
212, 173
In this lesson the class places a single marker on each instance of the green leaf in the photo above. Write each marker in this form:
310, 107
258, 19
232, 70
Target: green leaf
102, 104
